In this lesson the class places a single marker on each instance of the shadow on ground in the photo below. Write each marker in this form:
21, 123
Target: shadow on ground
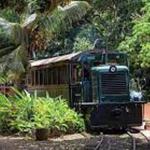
72, 142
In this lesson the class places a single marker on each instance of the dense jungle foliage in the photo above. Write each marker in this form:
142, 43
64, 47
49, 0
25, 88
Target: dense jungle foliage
34, 29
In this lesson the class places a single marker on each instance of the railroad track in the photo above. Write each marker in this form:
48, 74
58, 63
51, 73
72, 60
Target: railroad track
135, 138
104, 142
95, 145
100, 144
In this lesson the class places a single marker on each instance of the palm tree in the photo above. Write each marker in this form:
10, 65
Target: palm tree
34, 32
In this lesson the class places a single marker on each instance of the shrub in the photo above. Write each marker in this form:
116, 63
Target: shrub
23, 112
58, 115
15, 113
5, 107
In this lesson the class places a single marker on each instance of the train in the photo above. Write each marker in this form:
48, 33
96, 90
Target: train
95, 83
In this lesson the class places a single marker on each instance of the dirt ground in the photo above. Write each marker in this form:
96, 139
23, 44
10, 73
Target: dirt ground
70, 142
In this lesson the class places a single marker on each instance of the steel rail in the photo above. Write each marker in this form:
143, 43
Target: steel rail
100, 141
133, 140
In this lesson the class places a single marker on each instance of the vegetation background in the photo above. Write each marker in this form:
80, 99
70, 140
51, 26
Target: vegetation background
35, 29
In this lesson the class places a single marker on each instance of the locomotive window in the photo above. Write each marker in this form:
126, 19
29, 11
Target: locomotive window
94, 87
99, 59
117, 59
76, 73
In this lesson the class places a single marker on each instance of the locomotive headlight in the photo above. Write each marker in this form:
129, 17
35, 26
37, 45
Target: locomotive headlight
113, 69
136, 96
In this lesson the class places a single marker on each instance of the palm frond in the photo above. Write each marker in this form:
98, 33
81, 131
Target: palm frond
13, 64
44, 5
63, 18
12, 48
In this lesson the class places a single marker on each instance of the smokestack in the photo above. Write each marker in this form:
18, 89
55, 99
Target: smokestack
99, 44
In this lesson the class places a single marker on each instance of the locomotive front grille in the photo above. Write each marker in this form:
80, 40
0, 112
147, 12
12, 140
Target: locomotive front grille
113, 84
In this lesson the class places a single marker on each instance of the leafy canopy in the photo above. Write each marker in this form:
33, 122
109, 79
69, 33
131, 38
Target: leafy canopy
138, 43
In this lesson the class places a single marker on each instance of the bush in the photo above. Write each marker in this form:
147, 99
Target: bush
60, 116
15, 113
24, 112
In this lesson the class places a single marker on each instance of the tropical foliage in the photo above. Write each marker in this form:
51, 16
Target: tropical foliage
138, 43
23, 113
28, 29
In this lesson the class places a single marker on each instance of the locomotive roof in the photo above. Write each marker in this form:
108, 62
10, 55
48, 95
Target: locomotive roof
64, 58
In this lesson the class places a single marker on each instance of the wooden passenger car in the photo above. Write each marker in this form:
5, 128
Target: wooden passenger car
59, 76
52, 75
